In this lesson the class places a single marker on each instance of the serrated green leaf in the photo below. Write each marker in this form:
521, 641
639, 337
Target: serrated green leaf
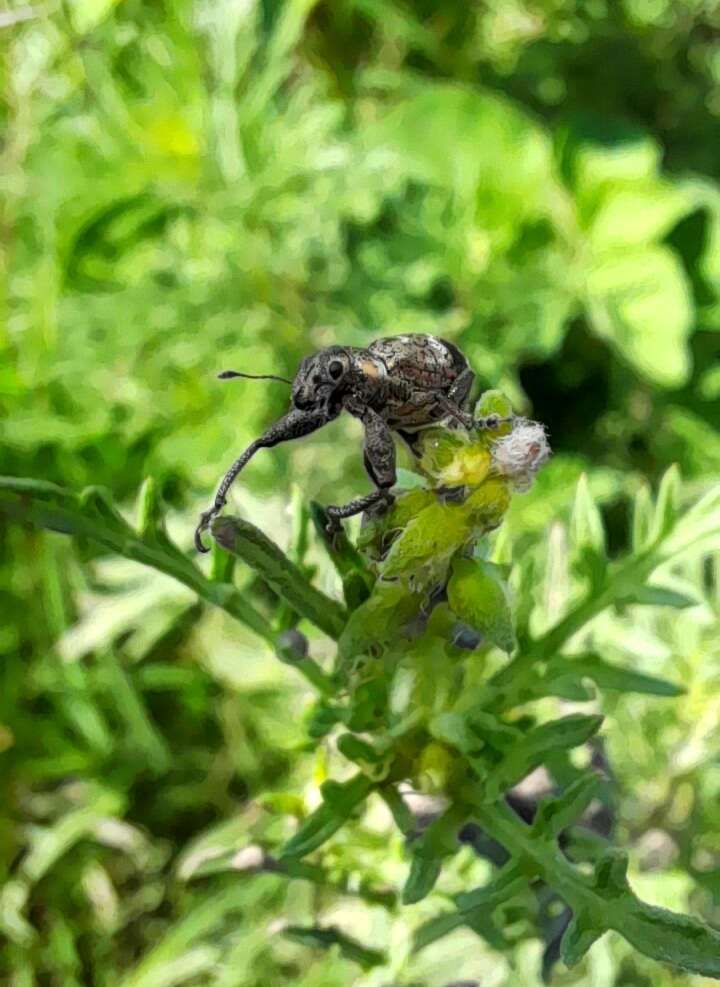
477, 595
426, 543
379, 621
533, 749
577, 939
606, 902
339, 802
474, 909
556, 814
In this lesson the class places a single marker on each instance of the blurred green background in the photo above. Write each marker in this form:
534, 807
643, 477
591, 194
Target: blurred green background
187, 187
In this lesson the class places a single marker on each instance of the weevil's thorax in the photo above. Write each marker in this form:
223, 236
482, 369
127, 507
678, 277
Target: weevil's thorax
366, 378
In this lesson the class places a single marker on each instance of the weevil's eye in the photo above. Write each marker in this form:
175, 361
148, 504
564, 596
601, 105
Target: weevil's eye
335, 369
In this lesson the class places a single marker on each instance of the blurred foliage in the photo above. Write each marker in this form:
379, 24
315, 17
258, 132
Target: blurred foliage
189, 186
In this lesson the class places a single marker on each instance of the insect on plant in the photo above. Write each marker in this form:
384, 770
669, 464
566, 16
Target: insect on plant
399, 384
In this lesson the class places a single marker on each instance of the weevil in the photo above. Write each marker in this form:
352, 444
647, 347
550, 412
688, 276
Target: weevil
398, 384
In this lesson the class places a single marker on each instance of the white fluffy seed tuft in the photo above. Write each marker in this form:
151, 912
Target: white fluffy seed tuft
520, 454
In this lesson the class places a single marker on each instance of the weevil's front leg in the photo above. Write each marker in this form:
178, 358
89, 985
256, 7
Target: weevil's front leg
379, 455
293, 425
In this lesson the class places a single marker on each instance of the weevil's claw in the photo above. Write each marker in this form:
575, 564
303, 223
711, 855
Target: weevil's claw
205, 519
333, 526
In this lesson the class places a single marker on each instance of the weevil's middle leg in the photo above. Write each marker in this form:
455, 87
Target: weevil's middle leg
379, 456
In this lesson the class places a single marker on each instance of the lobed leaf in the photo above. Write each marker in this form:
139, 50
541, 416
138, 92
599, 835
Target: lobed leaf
339, 803
534, 748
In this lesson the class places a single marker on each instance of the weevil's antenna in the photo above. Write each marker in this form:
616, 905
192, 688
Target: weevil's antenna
228, 374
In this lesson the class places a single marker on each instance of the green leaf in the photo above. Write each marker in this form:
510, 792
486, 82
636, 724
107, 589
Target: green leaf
666, 509
421, 880
254, 547
579, 936
609, 676
587, 532
409, 480
426, 543
641, 301
659, 596
642, 515
534, 748
679, 940
379, 621
606, 901
339, 803
695, 532
351, 567
506, 187
428, 852
150, 517
493, 402
326, 937
91, 516
556, 814
474, 909
477, 595
510, 881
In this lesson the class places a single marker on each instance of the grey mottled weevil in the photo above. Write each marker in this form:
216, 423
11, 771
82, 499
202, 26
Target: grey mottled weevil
398, 384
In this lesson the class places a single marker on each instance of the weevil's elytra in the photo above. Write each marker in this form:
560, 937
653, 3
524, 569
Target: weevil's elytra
398, 384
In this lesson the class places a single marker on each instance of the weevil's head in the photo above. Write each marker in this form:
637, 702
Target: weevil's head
320, 379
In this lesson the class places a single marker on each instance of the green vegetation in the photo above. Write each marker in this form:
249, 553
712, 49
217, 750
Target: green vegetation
189, 187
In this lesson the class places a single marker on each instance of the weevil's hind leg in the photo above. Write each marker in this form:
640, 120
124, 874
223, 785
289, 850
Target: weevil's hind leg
456, 401
459, 393
379, 455
291, 426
